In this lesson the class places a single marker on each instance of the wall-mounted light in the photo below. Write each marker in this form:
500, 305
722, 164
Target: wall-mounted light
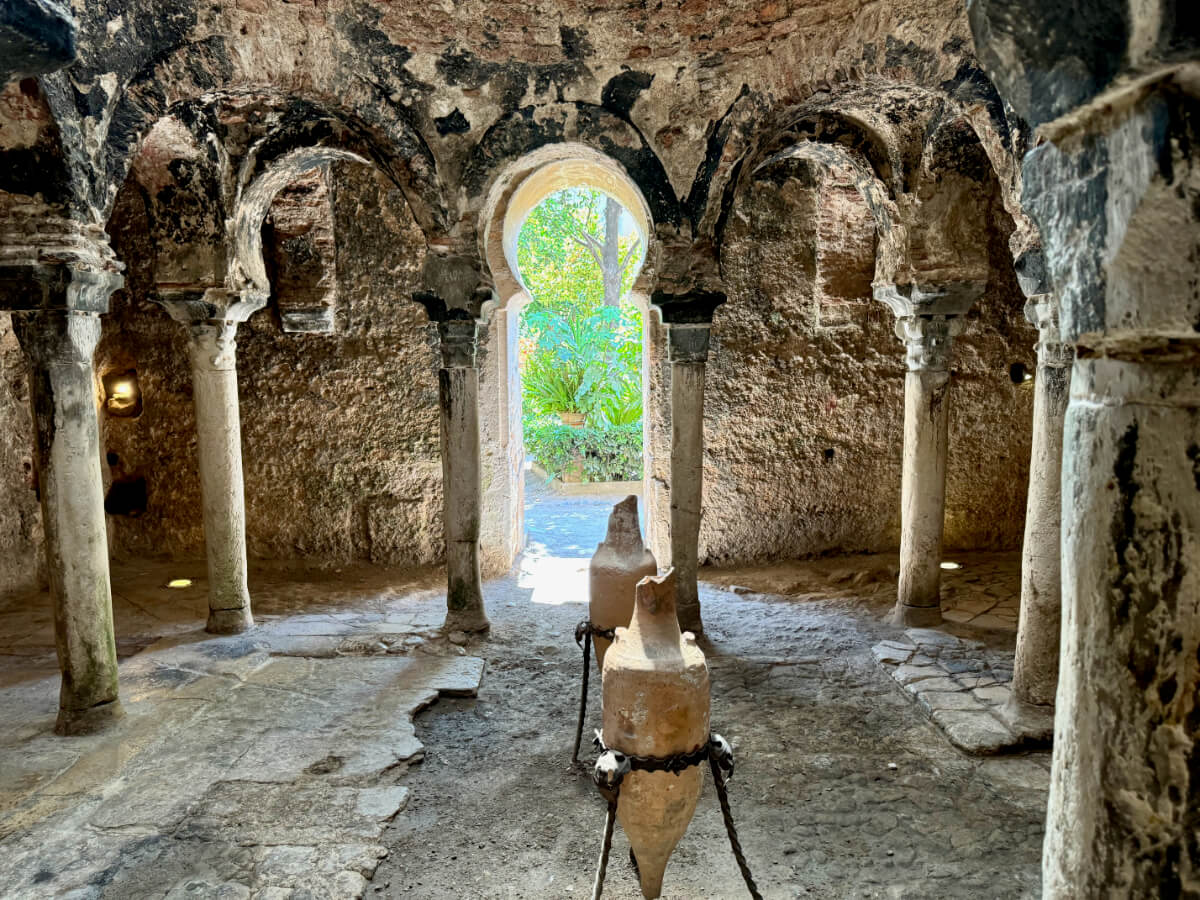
179, 583
122, 395
950, 566
1018, 373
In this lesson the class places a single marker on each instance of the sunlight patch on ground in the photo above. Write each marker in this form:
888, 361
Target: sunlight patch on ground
554, 580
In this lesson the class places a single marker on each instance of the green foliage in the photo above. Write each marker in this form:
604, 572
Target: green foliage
579, 355
607, 453
579, 363
558, 262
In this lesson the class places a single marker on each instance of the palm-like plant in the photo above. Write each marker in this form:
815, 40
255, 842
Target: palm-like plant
581, 347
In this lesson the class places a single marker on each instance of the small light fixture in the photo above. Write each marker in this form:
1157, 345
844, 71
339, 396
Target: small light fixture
122, 394
179, 583
949, 566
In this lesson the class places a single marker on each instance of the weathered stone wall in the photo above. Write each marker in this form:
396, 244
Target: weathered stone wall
339, 432
20, 517
804, 405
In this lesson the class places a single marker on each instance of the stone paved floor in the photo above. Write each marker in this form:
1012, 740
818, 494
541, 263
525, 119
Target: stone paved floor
985, 594
843, 788
280, 764
961, 673
255, 765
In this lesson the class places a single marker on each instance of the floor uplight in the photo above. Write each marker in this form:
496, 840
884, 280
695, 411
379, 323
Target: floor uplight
179, 583
951, 565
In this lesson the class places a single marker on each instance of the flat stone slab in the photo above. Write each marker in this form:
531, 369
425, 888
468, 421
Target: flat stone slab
251, 766
959, 683
974, 732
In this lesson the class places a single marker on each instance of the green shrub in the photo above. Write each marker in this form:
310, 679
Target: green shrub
607, 452
576, 361
581, 338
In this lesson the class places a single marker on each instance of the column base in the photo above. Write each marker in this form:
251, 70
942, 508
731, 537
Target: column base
471, 621
229, 621
916, 616
1030, 722
93, 720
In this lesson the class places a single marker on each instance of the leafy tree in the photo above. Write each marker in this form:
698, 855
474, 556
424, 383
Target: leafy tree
570, 251
581, 345
589, 364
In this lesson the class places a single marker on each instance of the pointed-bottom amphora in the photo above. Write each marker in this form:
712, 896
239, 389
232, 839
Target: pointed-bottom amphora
656, 703
620, 562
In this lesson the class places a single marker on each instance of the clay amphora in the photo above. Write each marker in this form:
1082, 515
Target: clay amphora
620, 562
656, 703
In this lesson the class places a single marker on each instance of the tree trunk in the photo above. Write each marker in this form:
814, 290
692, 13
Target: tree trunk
610, 260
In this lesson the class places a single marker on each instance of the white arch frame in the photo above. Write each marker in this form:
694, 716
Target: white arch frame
512, 196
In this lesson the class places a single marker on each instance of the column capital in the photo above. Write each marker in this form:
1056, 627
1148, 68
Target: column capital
689, 308
928, 340
193, 304
952, 298
1115, 209
1031, 272
48, 261
1041, 310
213, 345
454, 287
458, 339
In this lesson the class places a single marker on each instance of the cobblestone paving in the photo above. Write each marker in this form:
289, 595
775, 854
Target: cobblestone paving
961, 674
843, 788
984, 594
280, 764
959, 682
264, 765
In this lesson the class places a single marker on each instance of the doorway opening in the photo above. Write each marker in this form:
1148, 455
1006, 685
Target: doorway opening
580, 360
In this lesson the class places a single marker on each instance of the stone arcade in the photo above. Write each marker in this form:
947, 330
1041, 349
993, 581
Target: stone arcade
921, 441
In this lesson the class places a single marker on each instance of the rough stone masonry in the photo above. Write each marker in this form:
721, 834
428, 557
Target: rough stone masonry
879, 236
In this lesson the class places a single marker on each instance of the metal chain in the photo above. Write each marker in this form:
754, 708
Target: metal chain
673, 764
612, 766
583, 637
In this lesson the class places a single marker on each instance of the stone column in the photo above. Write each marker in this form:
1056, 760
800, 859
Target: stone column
1113, 187
458, 395
454, 295
213, 351
1035, 671
923, 482
1119, 216
687, 349
927, 319
60, 344
688, 320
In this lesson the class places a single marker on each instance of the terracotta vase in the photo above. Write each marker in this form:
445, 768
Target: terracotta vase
656, 703
620, 562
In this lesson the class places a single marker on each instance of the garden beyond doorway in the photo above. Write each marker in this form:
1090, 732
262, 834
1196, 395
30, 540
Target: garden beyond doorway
581, 339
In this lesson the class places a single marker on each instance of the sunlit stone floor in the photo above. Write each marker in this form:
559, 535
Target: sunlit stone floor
252, 765
280, 763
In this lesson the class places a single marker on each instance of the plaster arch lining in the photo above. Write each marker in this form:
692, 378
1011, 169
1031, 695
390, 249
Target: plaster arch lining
546, 171
255, 201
